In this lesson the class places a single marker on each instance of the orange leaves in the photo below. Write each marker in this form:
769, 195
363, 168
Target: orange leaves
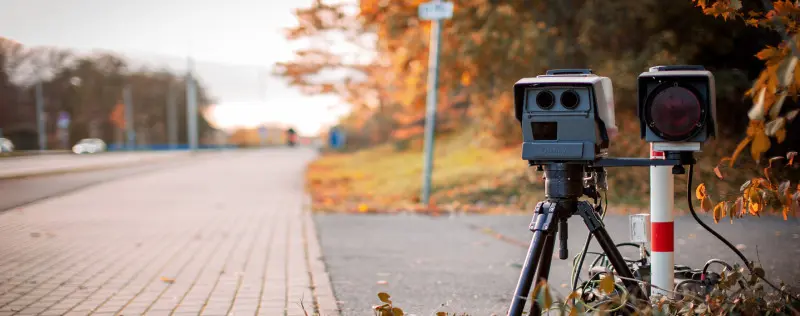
760, 145
466, 78
705, 200
769, 53
700, 191
784, 7
719, 212
721, 8
760, 142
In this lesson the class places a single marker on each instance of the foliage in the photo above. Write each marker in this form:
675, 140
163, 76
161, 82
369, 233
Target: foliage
768, 120
92, 101
386, 309
778, 189
736, 293
488, 45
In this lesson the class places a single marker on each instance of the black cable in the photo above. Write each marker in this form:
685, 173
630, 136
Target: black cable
604, 205
708, 264
722, 239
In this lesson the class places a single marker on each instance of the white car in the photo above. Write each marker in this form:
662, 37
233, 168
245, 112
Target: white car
6, 146
89, 146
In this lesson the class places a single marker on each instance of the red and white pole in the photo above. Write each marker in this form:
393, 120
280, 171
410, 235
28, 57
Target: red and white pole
662, 229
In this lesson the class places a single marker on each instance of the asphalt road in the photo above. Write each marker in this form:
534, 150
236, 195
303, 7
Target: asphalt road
15, 166
457, 264
18, 192
454, 263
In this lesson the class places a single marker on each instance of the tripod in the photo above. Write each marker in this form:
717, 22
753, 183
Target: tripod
563, 187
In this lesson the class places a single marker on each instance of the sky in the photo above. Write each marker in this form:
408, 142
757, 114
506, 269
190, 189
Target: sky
234, 43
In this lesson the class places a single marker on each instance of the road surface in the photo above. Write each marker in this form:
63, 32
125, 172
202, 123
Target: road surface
26, 165
457, 264
234, 220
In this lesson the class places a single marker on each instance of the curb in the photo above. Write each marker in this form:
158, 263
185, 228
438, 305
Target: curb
321, 283
98, 167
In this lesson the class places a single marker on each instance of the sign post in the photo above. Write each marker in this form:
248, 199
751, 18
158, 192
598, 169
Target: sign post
662, 229
434, 11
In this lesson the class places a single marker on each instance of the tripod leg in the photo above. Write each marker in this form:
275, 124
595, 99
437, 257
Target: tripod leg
597, 229
541, 223
544, 267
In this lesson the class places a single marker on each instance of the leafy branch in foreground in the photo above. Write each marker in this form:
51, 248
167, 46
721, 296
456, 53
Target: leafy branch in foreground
735, 292
778, 190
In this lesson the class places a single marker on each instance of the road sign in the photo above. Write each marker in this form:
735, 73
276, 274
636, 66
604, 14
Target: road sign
436, 10
336, 138
63, 120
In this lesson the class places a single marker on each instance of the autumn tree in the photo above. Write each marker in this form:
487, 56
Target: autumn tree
771, 131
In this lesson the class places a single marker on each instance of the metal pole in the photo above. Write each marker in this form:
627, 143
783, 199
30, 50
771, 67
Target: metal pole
662, 229
430, 118
191, 108
40, 117
172, 118
130, 131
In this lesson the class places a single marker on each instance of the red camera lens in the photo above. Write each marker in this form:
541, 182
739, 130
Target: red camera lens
676, 111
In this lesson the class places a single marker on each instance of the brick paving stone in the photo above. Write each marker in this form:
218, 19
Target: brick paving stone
230, 234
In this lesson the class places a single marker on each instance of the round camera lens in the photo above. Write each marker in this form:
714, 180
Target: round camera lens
570, 99
545, 99
676, 112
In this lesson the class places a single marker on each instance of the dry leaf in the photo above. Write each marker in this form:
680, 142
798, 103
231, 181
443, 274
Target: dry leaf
780, 135
363, 208
706, 204
384, 297
700, 191
607, 284
718, 173
167, 280
760, 145
738, 206
730, 208
719, 212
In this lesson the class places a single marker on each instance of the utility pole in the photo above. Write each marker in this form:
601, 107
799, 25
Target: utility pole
40, 117
435, 11
130, 131
172, 117
191, 107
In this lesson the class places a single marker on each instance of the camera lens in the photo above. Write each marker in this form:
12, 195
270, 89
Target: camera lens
570, 99
545, 99
676, 112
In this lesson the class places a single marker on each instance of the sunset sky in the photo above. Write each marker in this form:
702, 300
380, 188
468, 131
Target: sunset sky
234, 42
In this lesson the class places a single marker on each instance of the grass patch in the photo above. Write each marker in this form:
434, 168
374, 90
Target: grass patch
470, 177
387, 179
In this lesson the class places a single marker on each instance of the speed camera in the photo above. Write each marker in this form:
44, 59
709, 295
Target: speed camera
566, 115
677, 106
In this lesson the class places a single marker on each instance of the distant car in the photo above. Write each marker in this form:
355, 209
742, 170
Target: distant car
6, 146
89, 146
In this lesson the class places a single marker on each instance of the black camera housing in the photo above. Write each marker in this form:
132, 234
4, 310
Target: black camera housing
689, 78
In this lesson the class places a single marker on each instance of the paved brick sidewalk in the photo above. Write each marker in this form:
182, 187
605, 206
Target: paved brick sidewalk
230, 235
